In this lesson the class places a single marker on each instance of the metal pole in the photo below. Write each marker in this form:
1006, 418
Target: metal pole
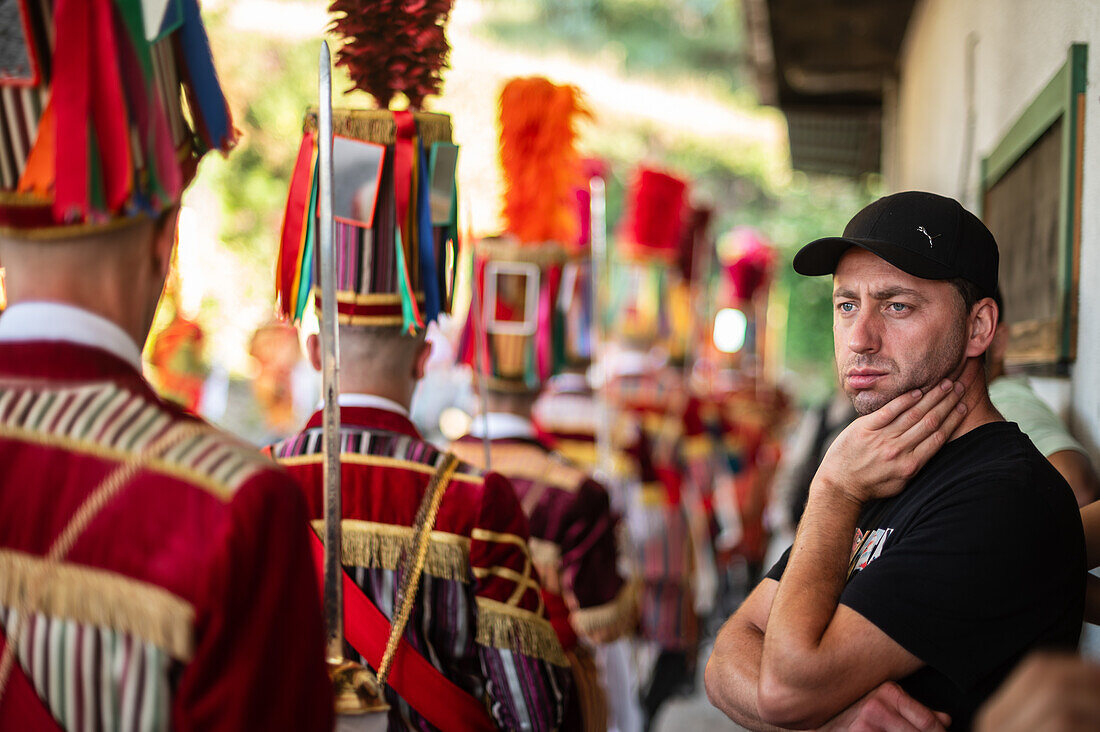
330, 373
598, 249
481, 359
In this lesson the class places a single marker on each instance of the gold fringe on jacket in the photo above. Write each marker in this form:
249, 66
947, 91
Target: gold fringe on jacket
30, 584
385, 546
514, 629
617, 618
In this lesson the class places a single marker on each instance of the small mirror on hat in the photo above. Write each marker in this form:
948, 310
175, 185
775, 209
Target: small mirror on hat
356, 172
511, 298
443, 160
18, 55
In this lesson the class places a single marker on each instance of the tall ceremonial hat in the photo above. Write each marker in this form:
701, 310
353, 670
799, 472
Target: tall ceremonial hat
106, 107
395, 202
576, 299
688, 282
647, 250
516, 326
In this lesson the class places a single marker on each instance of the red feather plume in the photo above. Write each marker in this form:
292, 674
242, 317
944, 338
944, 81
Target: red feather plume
393, 46
655, 209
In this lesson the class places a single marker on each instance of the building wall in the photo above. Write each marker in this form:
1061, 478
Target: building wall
967, 70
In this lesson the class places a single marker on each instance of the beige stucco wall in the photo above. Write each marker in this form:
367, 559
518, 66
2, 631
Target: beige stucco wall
1015, 47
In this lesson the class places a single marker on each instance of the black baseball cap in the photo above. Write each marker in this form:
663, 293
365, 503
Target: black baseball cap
928, 236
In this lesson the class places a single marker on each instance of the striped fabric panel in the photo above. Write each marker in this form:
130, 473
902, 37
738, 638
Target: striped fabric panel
358, 441
442, 630
105, 416
384, 232
20, 109
94, 678
347, 242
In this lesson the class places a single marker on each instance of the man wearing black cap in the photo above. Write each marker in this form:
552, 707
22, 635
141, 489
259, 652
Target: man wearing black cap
967, 548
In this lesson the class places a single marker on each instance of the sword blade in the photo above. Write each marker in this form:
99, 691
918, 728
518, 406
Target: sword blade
330, 373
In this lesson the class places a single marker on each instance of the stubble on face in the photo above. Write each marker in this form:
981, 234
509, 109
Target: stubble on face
941, 360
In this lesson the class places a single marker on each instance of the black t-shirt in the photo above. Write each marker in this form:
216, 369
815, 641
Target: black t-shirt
980, 559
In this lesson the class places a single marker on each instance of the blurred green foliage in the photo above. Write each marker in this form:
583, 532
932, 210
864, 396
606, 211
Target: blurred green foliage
660, 37
749, 184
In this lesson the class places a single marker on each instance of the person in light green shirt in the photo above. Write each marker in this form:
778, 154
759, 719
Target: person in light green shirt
1017, 401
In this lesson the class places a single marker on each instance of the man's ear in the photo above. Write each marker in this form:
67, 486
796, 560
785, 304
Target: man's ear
313, 350
981, 327
420, 364
164, 240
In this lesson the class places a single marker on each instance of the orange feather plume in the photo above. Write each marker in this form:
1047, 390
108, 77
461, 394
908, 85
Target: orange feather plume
542, 169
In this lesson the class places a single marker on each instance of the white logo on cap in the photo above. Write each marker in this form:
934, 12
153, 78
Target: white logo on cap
922, 230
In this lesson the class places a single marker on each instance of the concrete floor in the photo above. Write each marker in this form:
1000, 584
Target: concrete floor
687, 714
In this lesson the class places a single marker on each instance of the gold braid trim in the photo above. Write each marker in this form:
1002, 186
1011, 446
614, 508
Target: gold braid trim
410, 585
71, 231
173, 468
377, 125
508, 249
514, 629
384, 546
32, 584
380, 461
615, 619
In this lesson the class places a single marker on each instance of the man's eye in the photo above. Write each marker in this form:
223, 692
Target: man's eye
846, 307
898, 307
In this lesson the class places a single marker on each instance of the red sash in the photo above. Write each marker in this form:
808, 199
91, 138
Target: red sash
429, 692
22, 708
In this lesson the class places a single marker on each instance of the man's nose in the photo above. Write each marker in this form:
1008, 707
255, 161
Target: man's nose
863, 335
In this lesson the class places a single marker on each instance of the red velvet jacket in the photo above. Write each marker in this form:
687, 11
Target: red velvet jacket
572, 532
479, 616
182, 602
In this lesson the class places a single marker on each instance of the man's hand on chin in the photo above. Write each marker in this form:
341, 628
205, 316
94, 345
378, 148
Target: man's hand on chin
888, 709
877, 454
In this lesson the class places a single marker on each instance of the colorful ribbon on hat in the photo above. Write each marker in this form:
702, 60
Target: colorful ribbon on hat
111, 107
415, 240
296, 223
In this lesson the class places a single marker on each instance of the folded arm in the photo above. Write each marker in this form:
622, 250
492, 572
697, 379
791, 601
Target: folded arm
815, 656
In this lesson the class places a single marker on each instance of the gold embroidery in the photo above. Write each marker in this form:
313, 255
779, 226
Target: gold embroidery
98, 597
384, 546
515, 629
381, 461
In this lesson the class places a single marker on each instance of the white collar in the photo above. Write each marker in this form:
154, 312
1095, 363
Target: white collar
501, 426
54, 321
371, 401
